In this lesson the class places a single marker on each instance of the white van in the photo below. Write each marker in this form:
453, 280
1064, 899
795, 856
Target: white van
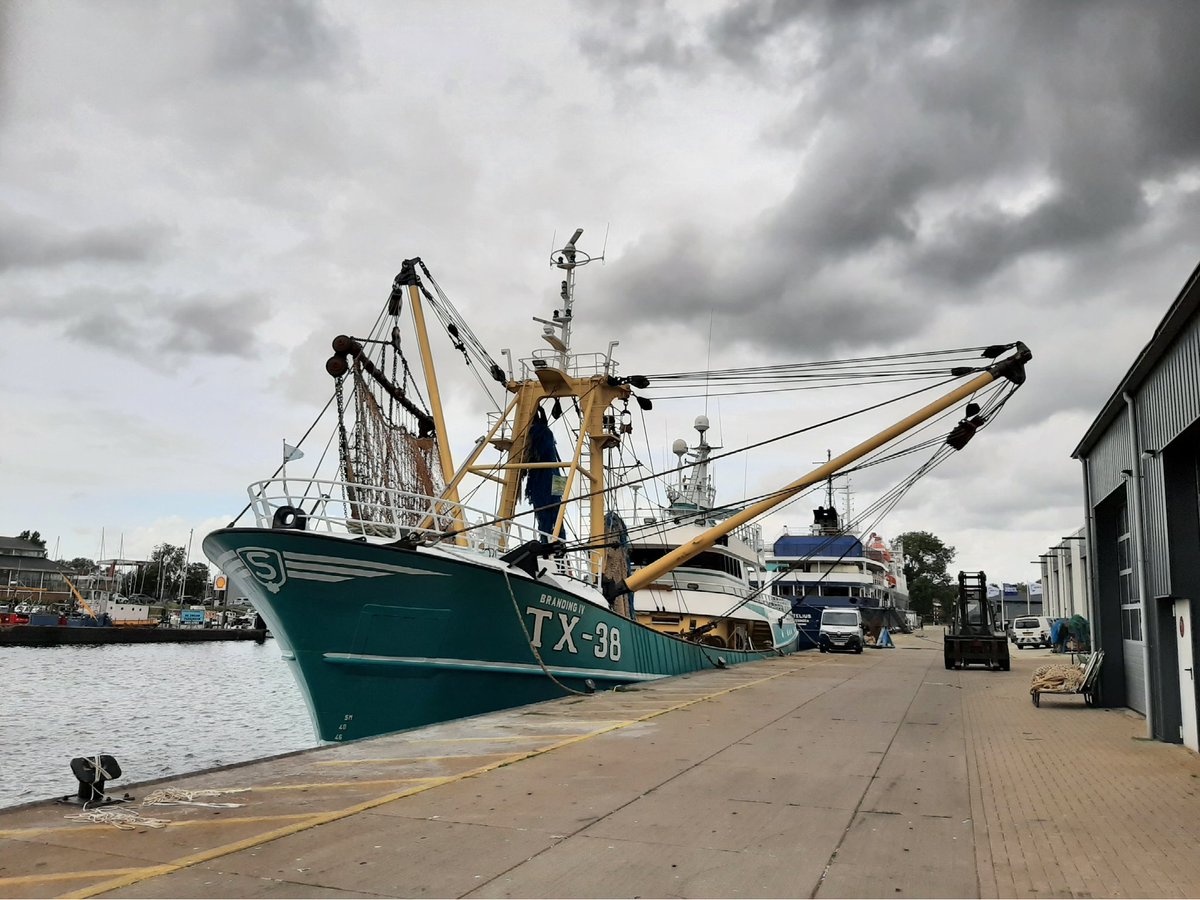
1031, 631
841, 629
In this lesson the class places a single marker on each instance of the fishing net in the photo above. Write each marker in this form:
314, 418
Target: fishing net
1056, 679
391, 470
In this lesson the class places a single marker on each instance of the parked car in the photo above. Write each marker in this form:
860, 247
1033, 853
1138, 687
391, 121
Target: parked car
841, 629
1031, 631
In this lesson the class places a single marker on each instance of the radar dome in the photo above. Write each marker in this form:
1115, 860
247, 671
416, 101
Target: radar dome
680, 447
701, 424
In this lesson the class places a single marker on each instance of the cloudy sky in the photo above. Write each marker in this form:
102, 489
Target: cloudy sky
194, 198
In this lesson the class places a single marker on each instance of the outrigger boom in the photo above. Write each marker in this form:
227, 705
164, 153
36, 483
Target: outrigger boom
1012, 367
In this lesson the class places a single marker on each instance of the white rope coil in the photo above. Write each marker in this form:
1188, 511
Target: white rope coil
125, 820
180, 797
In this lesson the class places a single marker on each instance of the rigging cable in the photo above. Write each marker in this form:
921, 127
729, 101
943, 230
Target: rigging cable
715, 457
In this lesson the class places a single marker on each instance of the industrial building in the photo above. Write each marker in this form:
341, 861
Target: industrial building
1141, 458
1065, 578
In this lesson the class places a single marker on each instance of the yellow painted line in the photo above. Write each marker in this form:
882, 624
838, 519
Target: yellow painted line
403, 759
321, 784
488, 740
63, 876
19, 833
334, 816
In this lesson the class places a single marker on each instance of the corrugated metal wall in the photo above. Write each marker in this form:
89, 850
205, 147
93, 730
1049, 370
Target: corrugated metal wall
1108, 458
1167, 403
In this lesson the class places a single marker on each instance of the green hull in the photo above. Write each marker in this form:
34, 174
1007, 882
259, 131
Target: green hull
384, 638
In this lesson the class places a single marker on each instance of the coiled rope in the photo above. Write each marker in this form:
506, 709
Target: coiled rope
128, 819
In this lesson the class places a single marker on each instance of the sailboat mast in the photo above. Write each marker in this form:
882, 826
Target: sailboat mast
1011, 367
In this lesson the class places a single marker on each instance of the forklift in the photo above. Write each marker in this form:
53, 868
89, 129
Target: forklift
972, 635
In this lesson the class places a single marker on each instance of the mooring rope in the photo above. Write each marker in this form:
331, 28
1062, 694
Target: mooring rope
180, 797
125, 820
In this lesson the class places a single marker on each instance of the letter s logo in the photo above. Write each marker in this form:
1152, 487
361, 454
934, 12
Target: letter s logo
266, 566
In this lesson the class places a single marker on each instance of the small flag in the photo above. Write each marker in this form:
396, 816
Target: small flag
291, 453
1035, 589
1010, 589
993, 590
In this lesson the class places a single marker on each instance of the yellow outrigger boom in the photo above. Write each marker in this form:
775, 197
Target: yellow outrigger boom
1012, 367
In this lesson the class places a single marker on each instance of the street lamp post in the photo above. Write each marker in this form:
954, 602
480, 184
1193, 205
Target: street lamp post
1065, 546
1046, 576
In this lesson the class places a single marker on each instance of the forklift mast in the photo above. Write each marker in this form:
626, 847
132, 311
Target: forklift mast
972, 633
973, 613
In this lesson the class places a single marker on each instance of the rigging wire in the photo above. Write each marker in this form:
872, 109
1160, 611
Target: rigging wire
897, 359
883, 507
320, 415
893, 451
762, 443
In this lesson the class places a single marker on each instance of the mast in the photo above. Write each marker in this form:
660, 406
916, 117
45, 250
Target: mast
408, 277
1012, 367
563, 375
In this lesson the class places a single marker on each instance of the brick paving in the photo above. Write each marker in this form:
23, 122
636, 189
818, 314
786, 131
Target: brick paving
1070, 801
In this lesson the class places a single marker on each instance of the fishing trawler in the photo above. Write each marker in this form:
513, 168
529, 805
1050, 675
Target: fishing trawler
399, 602
712, 597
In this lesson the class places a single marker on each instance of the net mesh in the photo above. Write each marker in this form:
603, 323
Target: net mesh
386, 466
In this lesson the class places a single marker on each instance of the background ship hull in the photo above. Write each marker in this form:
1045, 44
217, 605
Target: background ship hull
383, 638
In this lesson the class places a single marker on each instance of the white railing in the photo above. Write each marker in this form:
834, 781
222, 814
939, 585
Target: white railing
346, 508
712, 583
579, 365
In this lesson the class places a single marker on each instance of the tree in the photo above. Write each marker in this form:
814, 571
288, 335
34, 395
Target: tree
165, 571
34, 537
926, 554
926, 558
923, 592
196, 582
80, 565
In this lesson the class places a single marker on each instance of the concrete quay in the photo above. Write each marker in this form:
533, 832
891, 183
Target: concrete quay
873, 775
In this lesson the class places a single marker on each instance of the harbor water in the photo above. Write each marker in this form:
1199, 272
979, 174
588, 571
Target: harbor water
160, 709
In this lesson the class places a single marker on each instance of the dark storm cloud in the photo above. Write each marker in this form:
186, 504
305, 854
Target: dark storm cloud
27, 243
276, 39
937, 146
643, 35
154, 329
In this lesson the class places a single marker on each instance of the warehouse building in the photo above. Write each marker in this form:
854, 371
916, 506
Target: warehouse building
1065, 579
1141, 458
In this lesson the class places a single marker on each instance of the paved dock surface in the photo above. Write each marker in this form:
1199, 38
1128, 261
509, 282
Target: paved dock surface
873, 775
